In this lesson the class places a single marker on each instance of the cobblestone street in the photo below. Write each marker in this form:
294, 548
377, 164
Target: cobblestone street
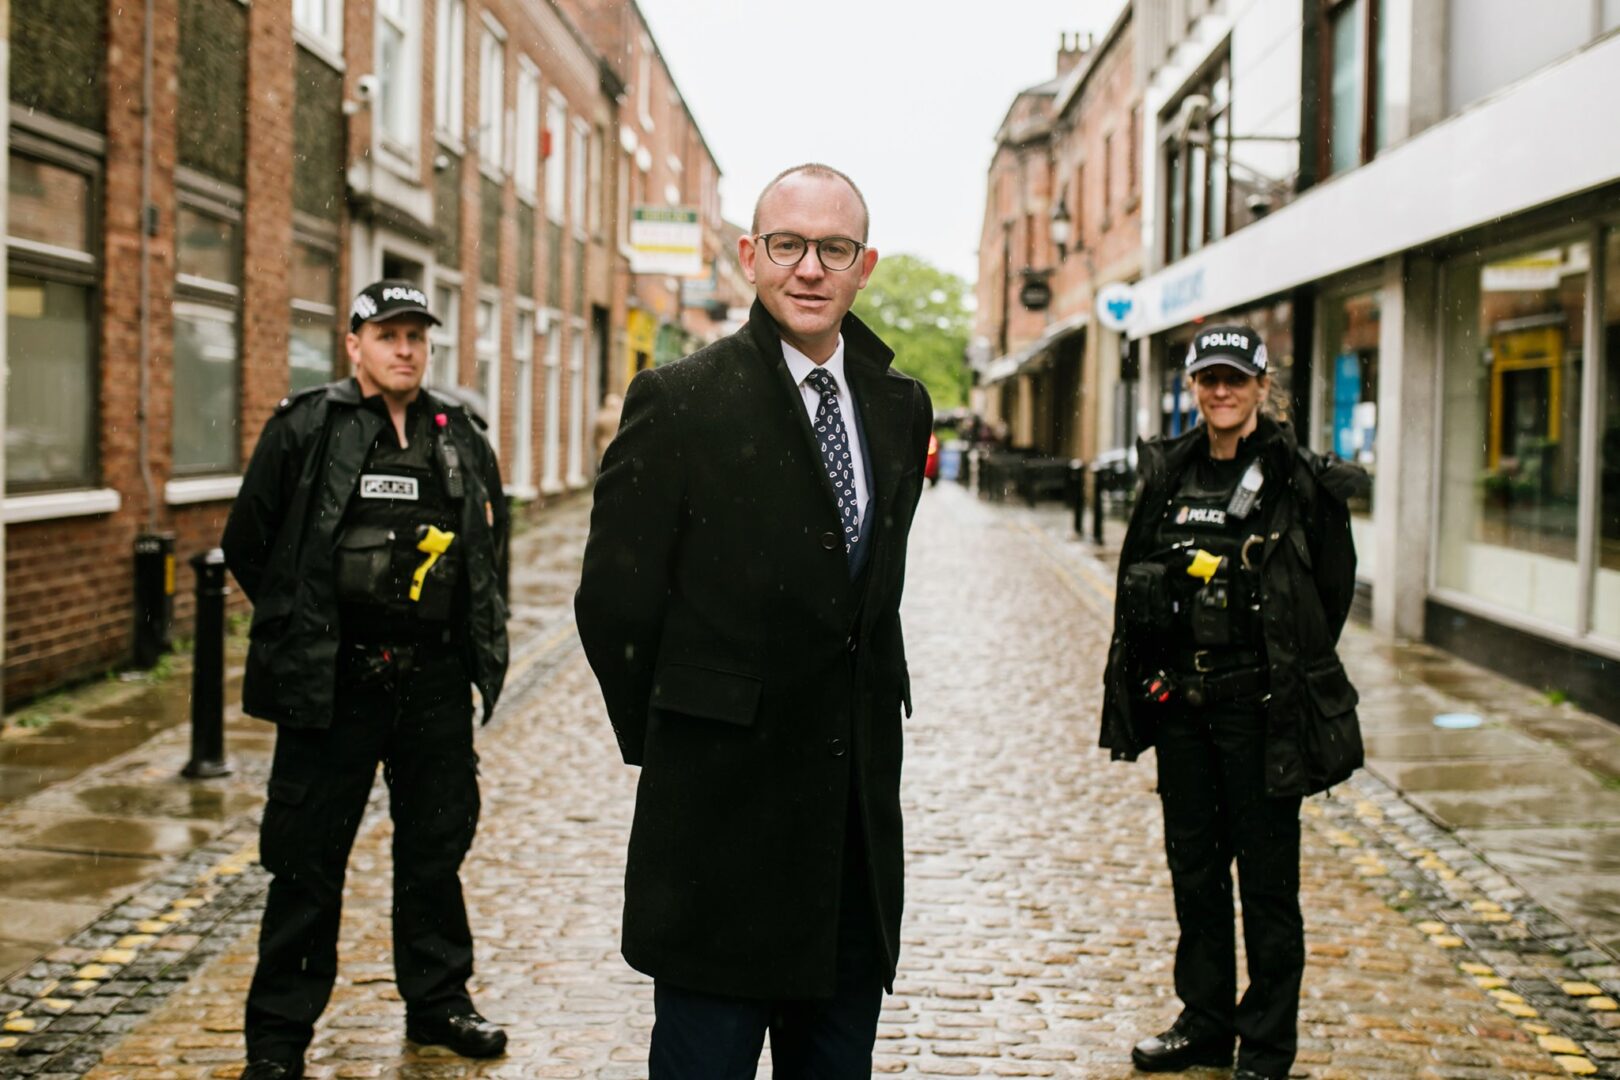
1039, 928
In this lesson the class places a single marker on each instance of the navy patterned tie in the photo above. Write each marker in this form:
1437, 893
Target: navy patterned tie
833, 439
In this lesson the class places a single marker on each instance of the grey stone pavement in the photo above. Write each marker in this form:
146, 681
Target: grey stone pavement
1039, 928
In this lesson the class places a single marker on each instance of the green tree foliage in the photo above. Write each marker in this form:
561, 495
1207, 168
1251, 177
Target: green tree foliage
921, 312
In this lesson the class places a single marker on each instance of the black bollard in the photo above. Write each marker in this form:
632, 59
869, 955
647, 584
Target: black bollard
1077, 491
154, 597
208, 670
1097, 508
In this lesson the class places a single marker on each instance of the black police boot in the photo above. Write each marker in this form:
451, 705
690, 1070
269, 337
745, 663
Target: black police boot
271, 1070
1175, 1050
468, 1034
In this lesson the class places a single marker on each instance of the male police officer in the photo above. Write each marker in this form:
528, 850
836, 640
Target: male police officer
369, 536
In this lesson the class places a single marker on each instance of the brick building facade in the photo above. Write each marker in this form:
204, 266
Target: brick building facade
1049, 374
195, 197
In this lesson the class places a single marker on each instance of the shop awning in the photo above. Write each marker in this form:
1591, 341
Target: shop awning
1032, 355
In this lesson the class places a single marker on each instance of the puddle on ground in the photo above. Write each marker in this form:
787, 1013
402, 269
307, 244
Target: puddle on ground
80, 879
1463, 743
105, 835
1489, 777
180, 799
1509, 808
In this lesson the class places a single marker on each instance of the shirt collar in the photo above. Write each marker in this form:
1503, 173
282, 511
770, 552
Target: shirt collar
800, 365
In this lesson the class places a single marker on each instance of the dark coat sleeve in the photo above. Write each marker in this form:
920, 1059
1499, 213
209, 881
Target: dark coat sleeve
1333, 549
489, 470
635, 532
261, 505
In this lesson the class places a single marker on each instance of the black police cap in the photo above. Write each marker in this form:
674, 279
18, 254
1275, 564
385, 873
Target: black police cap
1234, 346
386, 299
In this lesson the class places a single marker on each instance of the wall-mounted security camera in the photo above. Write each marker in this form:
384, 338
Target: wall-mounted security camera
366, 88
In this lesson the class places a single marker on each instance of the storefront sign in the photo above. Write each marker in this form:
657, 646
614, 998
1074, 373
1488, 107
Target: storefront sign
1181, 293
1115, 305
1036, 293
666, 240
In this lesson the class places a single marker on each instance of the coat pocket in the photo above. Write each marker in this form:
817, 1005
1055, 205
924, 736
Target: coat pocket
270, 615
709, 693
1330, 739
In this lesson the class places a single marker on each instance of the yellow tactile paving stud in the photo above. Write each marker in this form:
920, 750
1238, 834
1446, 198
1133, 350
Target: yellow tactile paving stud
1471, 968
19, 1024
1490, 982
9, 1042
1601, 1004
1581, 989
93, 971
1558, 1044
1575, 1066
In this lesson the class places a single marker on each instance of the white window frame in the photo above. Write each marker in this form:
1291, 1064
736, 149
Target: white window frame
557, 160
593, 209
644, 84
397, 113
320, 23
551, 444
492, 99
522, 465
526, 137
578, 178
449, 72
578, 365
444, 340
487, 349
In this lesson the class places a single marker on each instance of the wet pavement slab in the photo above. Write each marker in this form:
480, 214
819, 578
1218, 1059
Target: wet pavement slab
1039, 931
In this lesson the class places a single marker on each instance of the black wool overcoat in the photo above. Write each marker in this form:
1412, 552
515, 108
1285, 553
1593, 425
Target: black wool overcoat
751, 679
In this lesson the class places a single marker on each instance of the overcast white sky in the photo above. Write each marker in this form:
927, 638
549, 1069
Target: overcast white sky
904, 95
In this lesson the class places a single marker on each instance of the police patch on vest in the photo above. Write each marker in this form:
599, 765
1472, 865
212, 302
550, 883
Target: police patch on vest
389, 487
1201, 515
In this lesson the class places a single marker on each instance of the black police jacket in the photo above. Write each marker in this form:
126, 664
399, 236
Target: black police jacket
1307, 581
282, 531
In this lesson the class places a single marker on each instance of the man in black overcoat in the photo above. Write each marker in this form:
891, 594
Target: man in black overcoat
740, 605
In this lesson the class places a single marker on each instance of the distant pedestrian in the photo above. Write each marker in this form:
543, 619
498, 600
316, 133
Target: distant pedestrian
1236, 577
369, 534
740, 607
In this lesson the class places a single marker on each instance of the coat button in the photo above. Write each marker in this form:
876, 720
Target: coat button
835, 747
851, 643
829, 540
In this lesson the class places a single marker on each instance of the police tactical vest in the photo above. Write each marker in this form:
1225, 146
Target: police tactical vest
1222, 613
399, 566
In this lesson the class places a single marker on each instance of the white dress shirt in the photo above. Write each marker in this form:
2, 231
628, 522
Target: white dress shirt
800, 366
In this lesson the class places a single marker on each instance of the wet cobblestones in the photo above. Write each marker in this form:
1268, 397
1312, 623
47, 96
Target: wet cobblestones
1039, 929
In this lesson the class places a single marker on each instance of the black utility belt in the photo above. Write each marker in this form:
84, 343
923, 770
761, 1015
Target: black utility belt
1197, 688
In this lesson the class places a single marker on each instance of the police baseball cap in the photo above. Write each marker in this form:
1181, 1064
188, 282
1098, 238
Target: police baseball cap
387, 299
1234, 346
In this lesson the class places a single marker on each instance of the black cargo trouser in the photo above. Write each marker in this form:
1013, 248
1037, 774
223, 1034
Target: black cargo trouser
411, 711
1212, 784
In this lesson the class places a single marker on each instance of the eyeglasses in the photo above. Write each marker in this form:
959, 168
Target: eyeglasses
835, 252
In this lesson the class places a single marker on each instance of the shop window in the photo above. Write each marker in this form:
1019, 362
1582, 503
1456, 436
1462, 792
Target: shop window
206, 340
1512, 431
312, 343
1348, 424
1606, 584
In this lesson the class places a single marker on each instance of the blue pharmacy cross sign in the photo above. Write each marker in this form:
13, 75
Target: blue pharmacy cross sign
1115, 303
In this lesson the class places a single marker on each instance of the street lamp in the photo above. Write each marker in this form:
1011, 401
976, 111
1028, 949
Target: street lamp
1061, 227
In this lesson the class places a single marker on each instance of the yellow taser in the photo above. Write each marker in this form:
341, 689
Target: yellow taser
435, 543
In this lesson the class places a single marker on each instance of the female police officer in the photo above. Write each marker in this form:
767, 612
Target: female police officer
1235, 579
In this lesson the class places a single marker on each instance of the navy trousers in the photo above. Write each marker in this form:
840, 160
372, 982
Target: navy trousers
415, 718
1212, 783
